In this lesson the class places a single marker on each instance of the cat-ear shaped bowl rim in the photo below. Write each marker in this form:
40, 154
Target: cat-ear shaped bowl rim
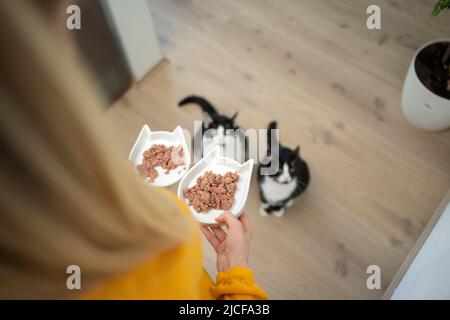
218, 164
147, 138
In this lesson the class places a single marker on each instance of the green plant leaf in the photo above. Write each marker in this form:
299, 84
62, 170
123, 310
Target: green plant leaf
440, 5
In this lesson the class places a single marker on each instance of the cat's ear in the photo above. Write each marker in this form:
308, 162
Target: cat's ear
297, 151
207, 119
234, 116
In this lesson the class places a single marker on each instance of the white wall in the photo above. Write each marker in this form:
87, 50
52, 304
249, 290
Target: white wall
428, 276
133, 25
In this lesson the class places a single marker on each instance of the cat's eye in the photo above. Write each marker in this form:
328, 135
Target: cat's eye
292, 170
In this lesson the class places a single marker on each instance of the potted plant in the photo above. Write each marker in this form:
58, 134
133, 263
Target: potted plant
426, 91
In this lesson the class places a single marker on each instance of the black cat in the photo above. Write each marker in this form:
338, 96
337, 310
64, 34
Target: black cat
278, 191
215, 130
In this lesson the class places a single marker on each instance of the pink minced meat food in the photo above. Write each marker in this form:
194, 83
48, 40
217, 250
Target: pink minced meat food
159, 155
212, 191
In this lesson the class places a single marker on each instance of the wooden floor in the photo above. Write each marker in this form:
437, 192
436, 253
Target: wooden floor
334, 87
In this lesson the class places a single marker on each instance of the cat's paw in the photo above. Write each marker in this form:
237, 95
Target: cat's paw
289, 203
278, 213
262, 210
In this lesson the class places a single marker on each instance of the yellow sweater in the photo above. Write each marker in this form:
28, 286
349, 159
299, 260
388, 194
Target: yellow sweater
179, 274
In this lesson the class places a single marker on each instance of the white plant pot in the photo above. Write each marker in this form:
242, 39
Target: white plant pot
423, 108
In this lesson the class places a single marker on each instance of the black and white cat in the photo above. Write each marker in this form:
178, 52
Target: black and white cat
215, 131
278, 191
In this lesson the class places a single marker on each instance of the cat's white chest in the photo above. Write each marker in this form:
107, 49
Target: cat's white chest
275, 192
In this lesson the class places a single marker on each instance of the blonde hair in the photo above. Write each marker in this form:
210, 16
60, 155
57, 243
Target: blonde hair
67, 197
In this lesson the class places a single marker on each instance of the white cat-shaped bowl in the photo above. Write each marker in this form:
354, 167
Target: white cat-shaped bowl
147, 138
218, 164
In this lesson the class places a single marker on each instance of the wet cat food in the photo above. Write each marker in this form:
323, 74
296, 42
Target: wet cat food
159, 155
212, 191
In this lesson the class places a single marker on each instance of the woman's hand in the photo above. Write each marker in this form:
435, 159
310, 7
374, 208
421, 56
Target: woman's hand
232, 247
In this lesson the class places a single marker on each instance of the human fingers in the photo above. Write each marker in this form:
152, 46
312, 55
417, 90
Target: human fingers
212, 239
219, 233
230, 220
243, 218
